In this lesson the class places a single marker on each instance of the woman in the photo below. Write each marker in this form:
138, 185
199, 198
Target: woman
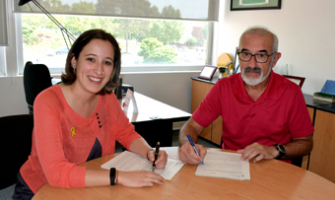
79, 120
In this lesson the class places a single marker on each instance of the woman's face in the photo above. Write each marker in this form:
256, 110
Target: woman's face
94, 66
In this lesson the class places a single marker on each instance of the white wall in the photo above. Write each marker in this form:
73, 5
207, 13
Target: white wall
12, 99
305, 29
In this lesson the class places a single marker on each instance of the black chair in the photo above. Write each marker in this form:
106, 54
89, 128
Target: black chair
16, 137
36, 77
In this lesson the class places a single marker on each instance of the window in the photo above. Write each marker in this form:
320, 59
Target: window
161, 41
2, 62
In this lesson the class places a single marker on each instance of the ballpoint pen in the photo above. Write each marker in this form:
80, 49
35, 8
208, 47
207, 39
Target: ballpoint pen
192, 143
156, 156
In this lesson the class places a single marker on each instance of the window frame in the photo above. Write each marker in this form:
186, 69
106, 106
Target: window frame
3, 68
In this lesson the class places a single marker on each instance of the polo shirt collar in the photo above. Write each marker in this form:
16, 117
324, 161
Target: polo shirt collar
240, 91
269, 93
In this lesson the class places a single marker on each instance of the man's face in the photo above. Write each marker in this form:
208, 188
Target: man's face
254, 73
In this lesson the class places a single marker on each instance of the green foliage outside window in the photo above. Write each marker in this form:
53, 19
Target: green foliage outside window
141, 41
153, 52
166, 31
192, 41
30, 38
162, 55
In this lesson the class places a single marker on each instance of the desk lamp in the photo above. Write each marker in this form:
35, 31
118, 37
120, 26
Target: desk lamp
68, 37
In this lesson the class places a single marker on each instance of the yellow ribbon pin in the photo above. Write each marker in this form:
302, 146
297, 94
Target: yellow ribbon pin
73, 132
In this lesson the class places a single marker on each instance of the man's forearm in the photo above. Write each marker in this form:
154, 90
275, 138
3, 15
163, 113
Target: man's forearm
187, 130
190, 127
298, 148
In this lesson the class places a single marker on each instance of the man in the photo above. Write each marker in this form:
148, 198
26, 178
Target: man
264, 115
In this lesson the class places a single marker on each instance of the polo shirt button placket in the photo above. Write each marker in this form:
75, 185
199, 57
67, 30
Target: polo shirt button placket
98, 120
253, 115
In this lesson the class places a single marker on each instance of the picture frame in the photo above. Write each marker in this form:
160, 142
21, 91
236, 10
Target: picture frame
207, 72
236, 5
295, 79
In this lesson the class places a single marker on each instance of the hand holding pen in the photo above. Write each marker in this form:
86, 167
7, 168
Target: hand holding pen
156, 155
192, 143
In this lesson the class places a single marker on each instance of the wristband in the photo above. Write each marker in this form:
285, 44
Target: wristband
117, 177
148, 153
112, 176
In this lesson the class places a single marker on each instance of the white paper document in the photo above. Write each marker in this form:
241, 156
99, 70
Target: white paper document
224, 165
128, 161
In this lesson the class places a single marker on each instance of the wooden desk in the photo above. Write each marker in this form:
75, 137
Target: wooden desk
269, 180
155, 119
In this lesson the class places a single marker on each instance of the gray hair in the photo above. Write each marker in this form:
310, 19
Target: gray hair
261, 31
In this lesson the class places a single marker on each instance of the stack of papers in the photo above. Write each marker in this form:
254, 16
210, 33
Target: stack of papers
128, 161
224, 165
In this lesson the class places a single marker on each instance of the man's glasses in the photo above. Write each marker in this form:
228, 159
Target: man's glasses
260, 57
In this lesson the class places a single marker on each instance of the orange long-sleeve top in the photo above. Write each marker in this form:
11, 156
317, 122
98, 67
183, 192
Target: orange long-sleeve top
62, 139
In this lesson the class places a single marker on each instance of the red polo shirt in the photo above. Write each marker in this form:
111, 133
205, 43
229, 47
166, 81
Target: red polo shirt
278, 115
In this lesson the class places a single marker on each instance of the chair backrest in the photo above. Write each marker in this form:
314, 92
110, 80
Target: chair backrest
299, 81
15, 146
295, 79
36, 77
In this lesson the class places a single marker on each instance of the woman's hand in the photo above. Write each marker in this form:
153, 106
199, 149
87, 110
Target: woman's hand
161, 160
139, 178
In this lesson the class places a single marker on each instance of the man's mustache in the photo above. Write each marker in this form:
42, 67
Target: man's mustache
256, 69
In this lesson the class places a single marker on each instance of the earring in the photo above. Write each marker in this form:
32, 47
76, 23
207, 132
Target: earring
74, 69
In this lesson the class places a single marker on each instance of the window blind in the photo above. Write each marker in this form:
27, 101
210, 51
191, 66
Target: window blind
3, 24
198, 10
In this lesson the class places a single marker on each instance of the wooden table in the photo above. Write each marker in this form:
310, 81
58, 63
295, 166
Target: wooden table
154, 120
270, 180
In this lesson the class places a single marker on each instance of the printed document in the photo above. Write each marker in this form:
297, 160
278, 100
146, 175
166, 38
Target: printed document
224, 165
128, 161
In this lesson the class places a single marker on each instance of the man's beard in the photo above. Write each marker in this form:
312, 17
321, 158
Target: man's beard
260, 79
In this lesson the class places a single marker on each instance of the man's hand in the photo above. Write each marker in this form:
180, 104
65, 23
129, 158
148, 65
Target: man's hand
258, 152
187, 154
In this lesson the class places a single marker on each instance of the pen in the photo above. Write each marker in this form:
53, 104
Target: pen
192, 143
156, 156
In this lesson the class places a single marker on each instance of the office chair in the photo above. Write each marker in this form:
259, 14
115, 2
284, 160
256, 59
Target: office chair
296, 79
299, 81
16, 136
36, 77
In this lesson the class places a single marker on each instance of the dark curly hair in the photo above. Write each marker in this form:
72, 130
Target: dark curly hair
69, 76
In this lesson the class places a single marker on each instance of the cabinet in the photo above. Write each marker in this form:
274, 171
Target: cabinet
322, 158
212, 132
305, 159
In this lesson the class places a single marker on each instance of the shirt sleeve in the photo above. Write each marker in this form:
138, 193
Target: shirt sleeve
299, 123
210, 107
47, 132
